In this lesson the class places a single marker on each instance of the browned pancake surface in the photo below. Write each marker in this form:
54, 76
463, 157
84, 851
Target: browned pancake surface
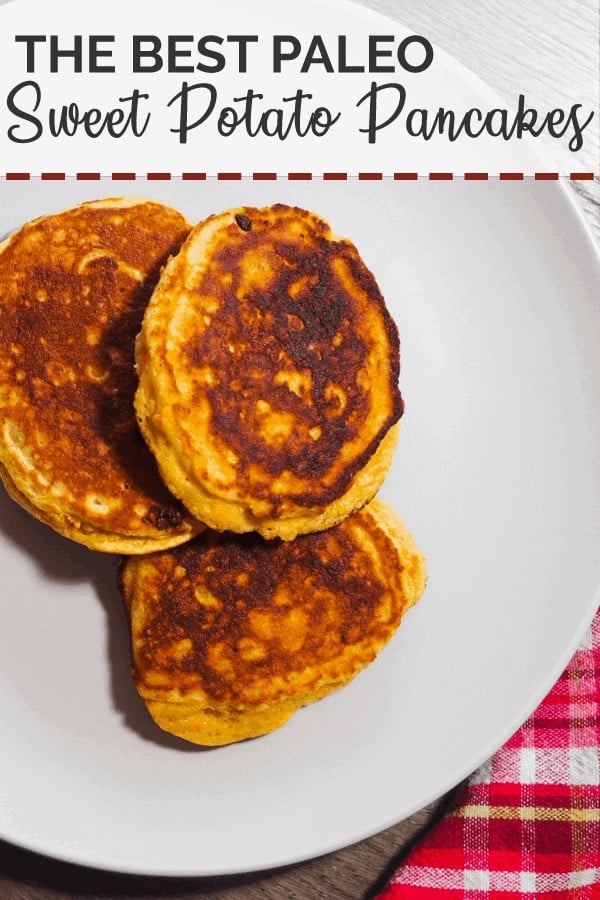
269, 370
291, 334
73, 289
244, 621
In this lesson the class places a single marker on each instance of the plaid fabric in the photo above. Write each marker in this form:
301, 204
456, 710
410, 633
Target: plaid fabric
528, 822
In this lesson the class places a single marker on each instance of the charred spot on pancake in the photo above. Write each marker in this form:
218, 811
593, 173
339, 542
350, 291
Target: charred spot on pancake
164, 517
243, 222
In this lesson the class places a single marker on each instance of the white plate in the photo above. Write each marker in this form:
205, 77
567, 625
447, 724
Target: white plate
495, 290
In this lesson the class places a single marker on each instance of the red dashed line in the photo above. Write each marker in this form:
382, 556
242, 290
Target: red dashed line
304, 176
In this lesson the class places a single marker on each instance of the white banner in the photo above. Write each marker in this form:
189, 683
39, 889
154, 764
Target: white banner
208, 88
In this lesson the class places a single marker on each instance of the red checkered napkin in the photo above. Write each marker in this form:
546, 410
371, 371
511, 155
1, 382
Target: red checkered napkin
528, 822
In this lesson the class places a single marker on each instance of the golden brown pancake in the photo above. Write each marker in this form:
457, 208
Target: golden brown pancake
231, 634
73, 289
268, 368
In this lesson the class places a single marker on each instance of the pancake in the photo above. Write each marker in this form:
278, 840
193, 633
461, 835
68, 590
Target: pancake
232, 634
268, 367
73, 289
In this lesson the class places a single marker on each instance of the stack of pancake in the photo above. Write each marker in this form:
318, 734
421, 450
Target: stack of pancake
260, 574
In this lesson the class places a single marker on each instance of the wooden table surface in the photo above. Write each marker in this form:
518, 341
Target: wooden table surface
516, 46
